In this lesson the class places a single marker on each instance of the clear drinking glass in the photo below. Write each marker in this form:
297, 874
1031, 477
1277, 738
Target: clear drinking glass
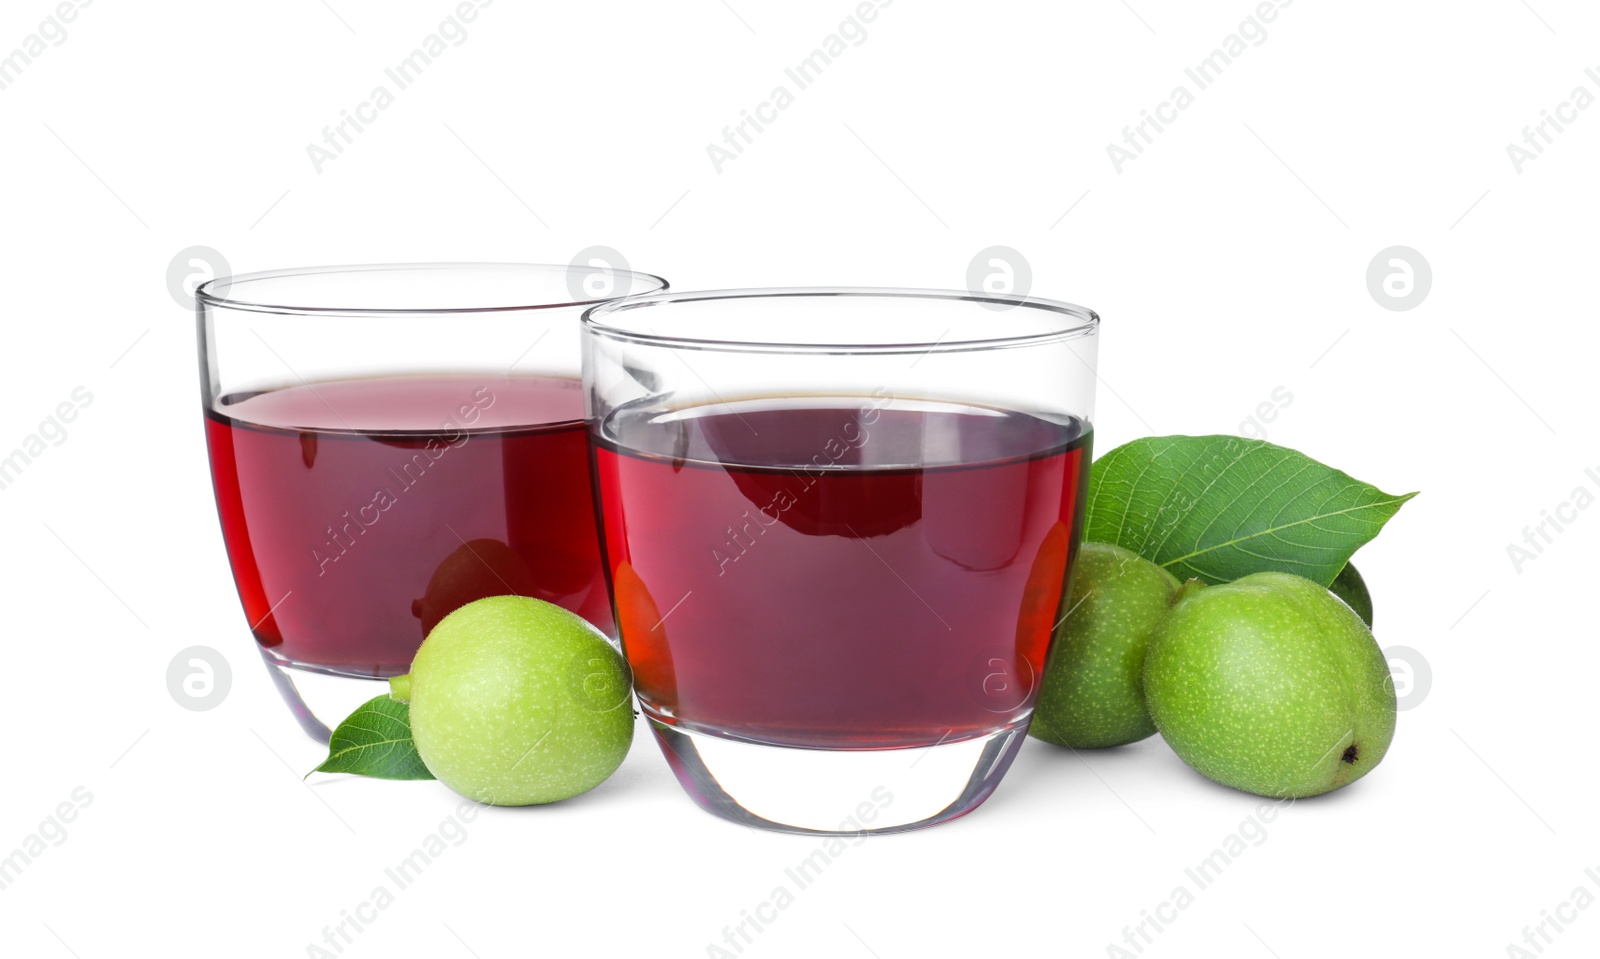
838, 525
388, 443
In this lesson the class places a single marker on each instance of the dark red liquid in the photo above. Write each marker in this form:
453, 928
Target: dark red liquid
357, 513
839, 572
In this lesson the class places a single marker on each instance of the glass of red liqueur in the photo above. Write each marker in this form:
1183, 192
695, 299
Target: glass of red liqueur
838, 526
389, 443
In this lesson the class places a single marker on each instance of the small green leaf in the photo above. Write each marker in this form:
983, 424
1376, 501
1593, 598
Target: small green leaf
375, 740
1217, 508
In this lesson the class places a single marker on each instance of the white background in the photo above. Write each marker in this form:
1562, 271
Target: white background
1228, 260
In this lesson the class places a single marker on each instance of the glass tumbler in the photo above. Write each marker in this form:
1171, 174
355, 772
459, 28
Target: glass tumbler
389, 443
838, 526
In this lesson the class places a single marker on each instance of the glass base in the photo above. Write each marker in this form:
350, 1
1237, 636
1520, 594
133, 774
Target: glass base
320, 700
837, 792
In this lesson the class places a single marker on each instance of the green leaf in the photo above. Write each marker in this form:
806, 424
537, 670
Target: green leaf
375, 740
1217, 508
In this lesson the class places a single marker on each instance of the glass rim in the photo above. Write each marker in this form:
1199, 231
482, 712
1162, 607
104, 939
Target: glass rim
1085, 321
208, 296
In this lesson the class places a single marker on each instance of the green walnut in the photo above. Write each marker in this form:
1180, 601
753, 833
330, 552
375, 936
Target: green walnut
1091, 695
1350, 587
1270, 684
515, 701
